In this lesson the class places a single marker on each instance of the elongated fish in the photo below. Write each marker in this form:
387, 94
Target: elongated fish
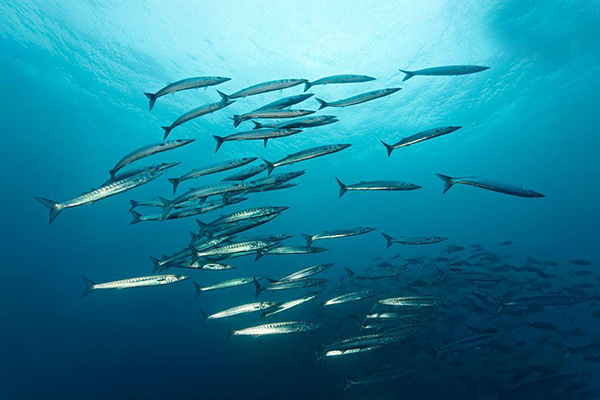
157, 203
270, 114
180, 256
104, 191
198, 264
346, 352
306, 122
186, 84
240, 247
278, 237
376, 185
305, 273
223, 285
361, 98
413, 241
468, 343
258, 134
444, 71
415, 301
474, 276
376, 339
238, 310
337, 233
275, 328
195, 113
348, 297
286, 102
147, 151
488, 184
142, 281
329, 80
372, 275
249, 213
211, 169
287, 285
546, 300
291, 304
129, 173
264, 87
233, 228
201, 193
307, 154
376, 378
288, 250
420, 137
246, 173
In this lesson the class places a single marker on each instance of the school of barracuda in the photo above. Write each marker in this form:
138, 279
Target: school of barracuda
404, 317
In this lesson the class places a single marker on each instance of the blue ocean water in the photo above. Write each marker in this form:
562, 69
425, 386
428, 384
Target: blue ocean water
73, 78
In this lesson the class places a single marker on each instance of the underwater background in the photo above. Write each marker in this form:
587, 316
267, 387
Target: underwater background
73, 76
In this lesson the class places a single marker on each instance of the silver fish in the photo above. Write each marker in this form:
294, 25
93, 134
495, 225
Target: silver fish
413, 241
472, 342
197, 112
270, 114
167, 261
306, 122
377, 378
209, 266
240, 247
211, 169
293, 303
201, 193
286, 102
259, 134
147, 151
420, 137
246, 173
329, 80
264, 87
305, 273
223, 285
488, 185
143, 281
128, 174
261, 184
237, 227
287, 285
361, 98
348, 297
371, 275
415, 301
307, 154
287, 250
337, 233
185, 84
444, 71
249, 213
184, 212
275, 328
376, 185
238, 310
103, 192
356, 350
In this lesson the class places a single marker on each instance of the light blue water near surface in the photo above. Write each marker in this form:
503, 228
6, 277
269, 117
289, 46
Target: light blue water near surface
73, 76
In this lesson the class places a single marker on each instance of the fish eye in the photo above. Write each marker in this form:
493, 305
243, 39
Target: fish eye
311, 325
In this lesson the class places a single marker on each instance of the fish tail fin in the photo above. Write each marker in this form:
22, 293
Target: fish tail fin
236, 120
224, 97
167, 206
389, 240
194, 237
175, 183
155, 264
348, 384
308, 238
230, 333
152, 98
258, 288
198, 289
257, 125
259, 255
307, 86
204, 318
448, 182
500, 309
136, 217
562, 348
202, 226
351, 275
167, 131
343, 188
270, 166
322, 103
388, 147
89, 287
220, 140
437, 353
409, 74
134, 204
54, 207
265, 142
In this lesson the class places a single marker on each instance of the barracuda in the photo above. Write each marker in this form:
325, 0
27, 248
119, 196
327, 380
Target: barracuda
348, 297
412, 241
186, 84
143, 281
147, 151
415, 301
287, 285
306, 122
197, 112
259, 134
305, 273
270, 113
264, 87
420, 137
293, 303
211, 169
286, 102
467, 343
337, 233
224, 285
488, 184
276, 328
103, 192
306, 155
361, 98
336, 79
238, 310
376, 186
286, 250
444, 71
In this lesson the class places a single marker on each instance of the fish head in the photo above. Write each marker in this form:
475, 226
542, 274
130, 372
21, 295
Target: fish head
412, 186
222, 79
183, 142
315, 249
249, 159
340, 146
165, 166
533, 193
313, 325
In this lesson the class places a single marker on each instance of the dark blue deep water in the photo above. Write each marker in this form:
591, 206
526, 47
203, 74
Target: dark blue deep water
72, 78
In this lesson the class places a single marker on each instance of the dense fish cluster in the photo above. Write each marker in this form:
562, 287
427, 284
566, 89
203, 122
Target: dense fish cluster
456, 313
